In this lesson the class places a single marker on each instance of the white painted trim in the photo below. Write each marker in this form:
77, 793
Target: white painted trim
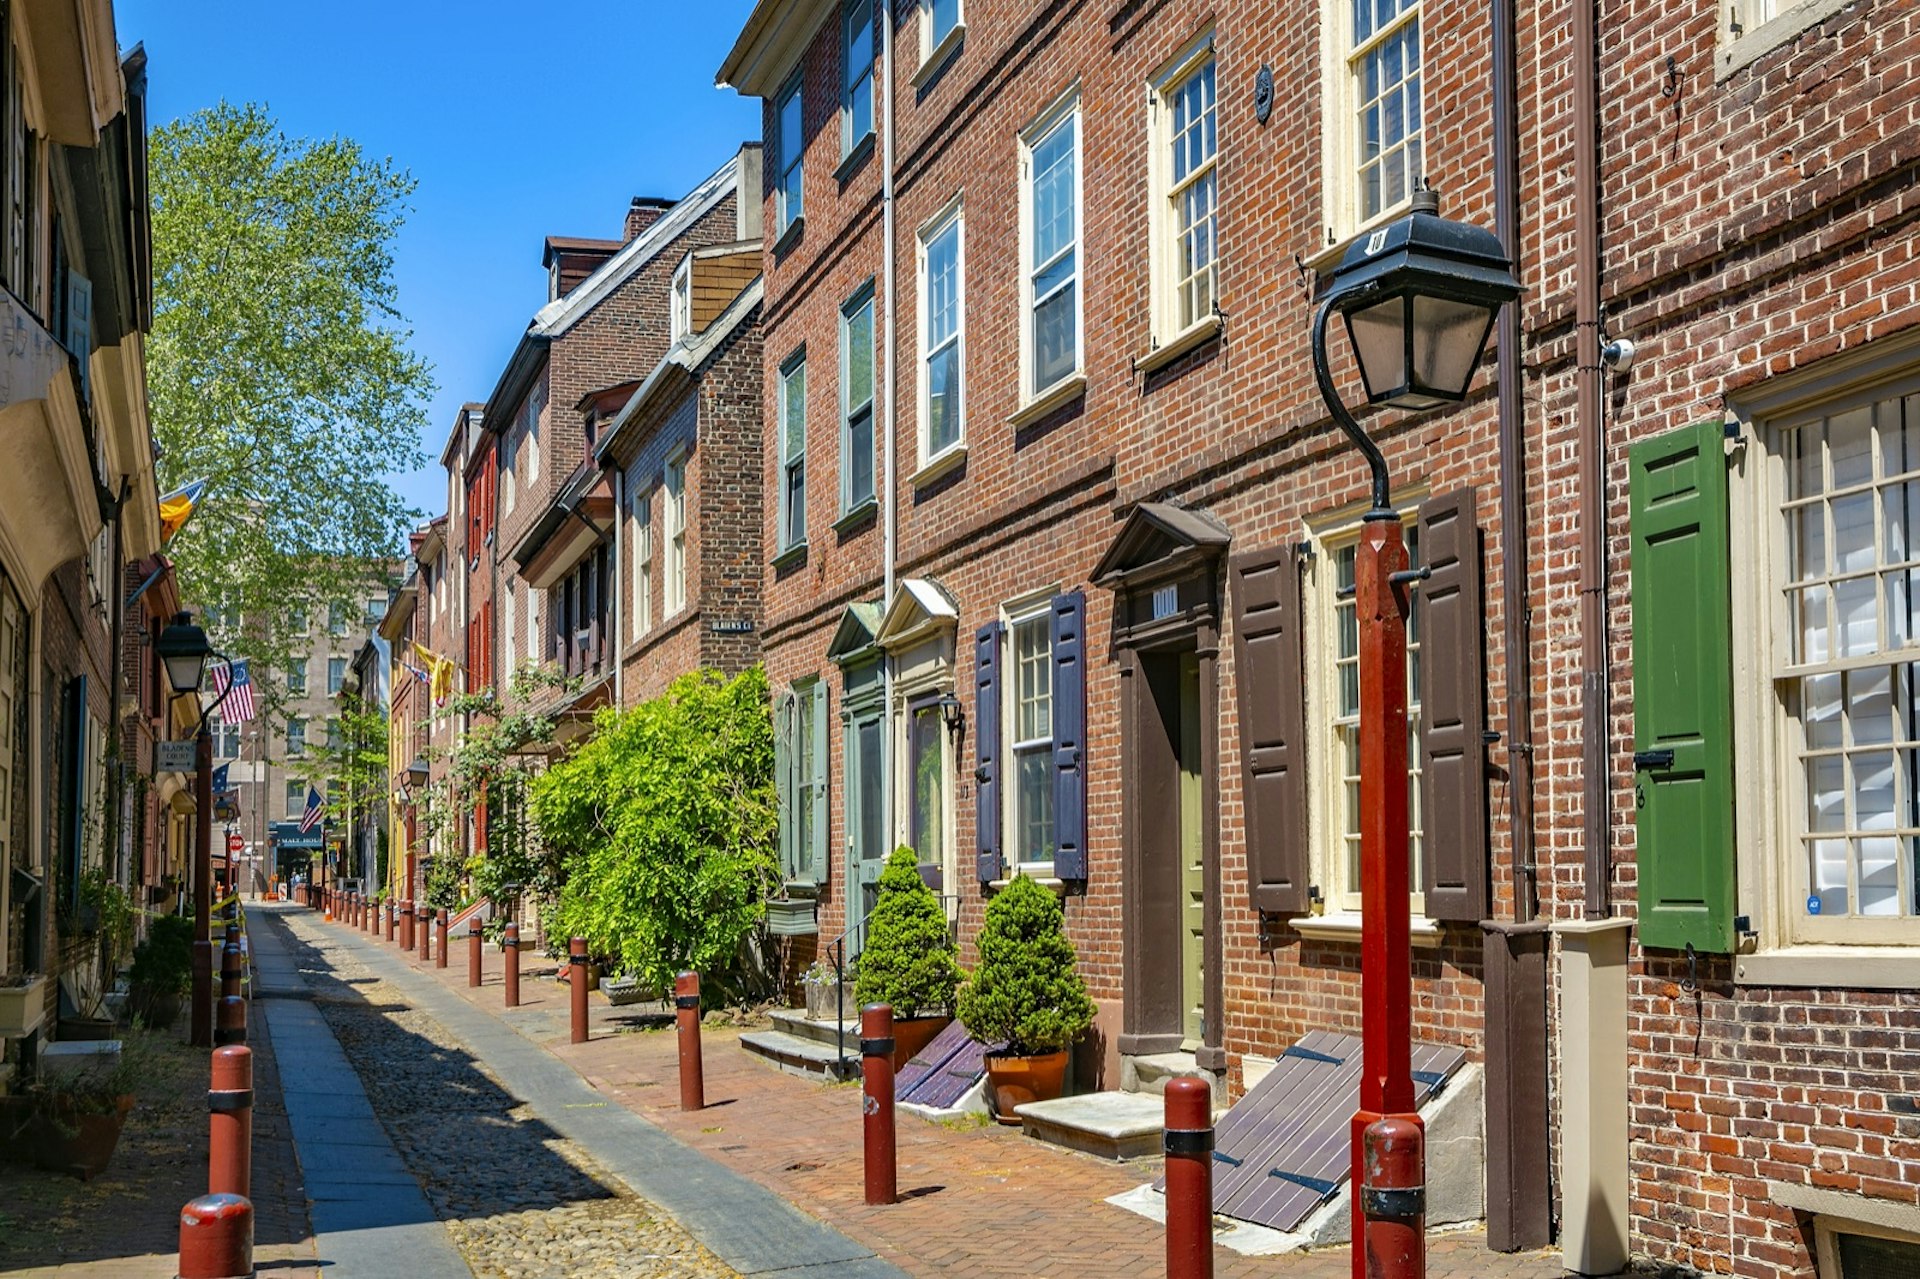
1732, 52
952, 214
1344, 926
1064, 109
1163, 310
1339, 167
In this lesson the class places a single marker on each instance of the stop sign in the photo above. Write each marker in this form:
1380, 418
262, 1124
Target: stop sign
235, 843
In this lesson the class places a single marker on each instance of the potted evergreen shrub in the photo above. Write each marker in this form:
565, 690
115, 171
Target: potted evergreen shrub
162, 971
909, 960
70, 1121
1026, 992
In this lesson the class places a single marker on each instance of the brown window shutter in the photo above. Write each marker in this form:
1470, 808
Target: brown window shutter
1453, 748
1273, 726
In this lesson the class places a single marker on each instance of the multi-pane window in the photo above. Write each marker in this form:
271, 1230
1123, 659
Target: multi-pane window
1030, 717
1051, 165
336, 619
805, 766
376, 611
297, 678
642, 564
681, 319
334, 737
942, 20
1851, 681
226, 737
789, 196
297, 621
675, 487
856, 401
926, 781
942, 342
296, 736
1383, 65
336, 674
296, 797
1191, 209
536, 403
793, 452
1345, 722
856, 114
510, 629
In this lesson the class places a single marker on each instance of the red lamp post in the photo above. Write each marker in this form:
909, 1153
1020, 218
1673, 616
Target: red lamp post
1419, 298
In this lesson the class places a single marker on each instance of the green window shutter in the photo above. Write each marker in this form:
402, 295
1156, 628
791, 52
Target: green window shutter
784, 709
814, 864
1682, 689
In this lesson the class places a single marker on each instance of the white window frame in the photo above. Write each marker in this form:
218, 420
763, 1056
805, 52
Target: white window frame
1340, 131
856, 41
1329, 840
1024, 611
674, 484
336, 675
1168, 326
296, 736
509, 487
642, 563
790, 155
1062, 114
1750, 29
936, 48
299, 667
862, 300
681, 318
295, 795
509, 626
532, 623
951, 218
787, 537
1772, 875
536, 405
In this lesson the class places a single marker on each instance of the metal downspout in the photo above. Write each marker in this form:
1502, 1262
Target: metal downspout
1595, 748
615, 588
890, 489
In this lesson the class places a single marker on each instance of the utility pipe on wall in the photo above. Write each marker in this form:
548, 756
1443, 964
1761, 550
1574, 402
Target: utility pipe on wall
1595, 748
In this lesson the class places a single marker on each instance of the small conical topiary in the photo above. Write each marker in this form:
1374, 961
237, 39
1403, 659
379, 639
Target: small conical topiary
909, 960
1026, 990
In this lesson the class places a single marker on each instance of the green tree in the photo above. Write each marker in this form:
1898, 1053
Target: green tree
278, 369
349, 766
909, 959
665, 818
1026, 989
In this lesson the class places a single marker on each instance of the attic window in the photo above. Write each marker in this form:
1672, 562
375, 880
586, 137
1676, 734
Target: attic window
683, 298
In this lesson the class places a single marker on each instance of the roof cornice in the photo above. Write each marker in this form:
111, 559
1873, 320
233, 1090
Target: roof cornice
770, 45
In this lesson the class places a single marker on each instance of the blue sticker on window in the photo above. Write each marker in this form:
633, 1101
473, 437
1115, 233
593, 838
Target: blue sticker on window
1813, 903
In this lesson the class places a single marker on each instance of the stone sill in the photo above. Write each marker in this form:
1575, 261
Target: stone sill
1345, 927
939, 465
1060, 393
1191, 338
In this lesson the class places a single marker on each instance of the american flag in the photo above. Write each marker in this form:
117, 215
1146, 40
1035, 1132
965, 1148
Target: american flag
315, 810
238, 707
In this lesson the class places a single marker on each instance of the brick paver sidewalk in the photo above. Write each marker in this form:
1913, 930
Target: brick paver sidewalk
125, 1224
977, 1201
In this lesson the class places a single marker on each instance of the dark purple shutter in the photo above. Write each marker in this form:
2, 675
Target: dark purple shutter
1273, 726
1453, 750
986, 746
1070, 735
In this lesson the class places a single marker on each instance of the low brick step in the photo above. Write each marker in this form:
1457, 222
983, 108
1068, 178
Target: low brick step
1113, 1125
827, 1031
797, 1056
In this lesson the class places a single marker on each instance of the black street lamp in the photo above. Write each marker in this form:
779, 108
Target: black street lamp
1419, 297
184, 650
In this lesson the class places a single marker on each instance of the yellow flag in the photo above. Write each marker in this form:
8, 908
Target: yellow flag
176, 506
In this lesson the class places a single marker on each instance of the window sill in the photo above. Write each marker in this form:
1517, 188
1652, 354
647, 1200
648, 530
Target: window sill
1191, 338
1328, 258
1041, 874
859, 515
1062, 392
1738, 51
792, 555
1345, 927
791, 236
851, 162
938, 56
1835, 967
939, 465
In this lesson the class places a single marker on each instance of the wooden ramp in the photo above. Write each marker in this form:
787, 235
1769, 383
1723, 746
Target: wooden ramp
1282, 1151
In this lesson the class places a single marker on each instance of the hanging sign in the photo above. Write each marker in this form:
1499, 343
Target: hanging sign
173, 757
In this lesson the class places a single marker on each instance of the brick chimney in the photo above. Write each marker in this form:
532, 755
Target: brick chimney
643, 213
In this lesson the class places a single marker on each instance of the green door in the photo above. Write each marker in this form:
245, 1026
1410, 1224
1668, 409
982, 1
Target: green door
1193, 905
866, 843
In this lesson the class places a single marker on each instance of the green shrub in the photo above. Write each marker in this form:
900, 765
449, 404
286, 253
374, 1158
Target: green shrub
909, 959
163, 963
1026, 989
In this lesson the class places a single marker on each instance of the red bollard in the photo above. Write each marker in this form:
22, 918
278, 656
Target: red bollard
1393, 1195
876, 1082
440, 940
511, 940
230, 1135
1188, 1139
372, 921
406, 926
577, 986
686, 1013
392, 913
426, 931
216, 1238
474, 943
230, 1014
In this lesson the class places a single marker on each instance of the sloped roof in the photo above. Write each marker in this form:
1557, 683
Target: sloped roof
1158, 534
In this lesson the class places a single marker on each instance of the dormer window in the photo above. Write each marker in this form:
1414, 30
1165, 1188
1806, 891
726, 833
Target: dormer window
682, 308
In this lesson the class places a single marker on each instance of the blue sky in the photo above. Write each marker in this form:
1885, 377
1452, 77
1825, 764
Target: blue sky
518, 120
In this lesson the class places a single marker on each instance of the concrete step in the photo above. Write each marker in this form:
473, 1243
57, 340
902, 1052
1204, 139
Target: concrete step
794, 1021
1113, 1125
1149, 1074
798, 1056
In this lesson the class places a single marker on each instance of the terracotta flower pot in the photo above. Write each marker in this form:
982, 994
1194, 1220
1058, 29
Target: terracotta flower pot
913, 1034
1018, 1080
66, 1140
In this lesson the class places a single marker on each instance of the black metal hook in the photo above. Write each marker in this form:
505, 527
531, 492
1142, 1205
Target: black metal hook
1323, 375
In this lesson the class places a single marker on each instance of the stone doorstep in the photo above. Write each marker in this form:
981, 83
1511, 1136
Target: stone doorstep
1150, 1073
795, 1022
1113, 1125
805, 1057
